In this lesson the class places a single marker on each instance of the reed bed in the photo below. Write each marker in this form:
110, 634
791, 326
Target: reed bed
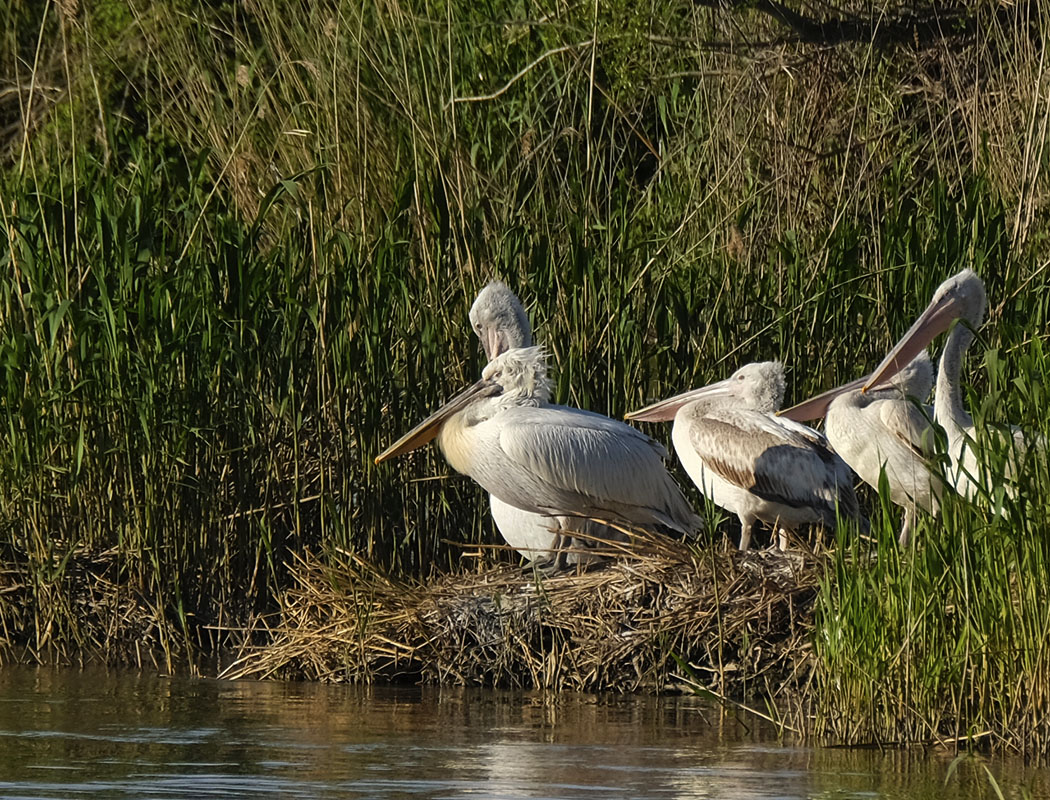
949, 641
90, 617
679, 617
239, 240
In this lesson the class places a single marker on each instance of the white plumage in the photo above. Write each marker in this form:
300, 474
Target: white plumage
551, 460
884, 432
500, 322
752, 463
961, 297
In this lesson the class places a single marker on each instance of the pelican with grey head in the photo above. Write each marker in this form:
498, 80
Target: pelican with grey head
501, 324
884, 431
559, 462
499, 320
752, 463
960, 301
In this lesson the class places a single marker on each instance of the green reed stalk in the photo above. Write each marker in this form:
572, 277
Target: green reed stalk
240, 241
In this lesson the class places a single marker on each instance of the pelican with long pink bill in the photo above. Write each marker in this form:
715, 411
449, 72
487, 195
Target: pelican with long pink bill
559, 462
962, 297
500, 322
752, 463
883, 432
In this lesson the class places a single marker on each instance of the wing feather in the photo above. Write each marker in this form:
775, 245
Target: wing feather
595, 464
905, 420
778, 463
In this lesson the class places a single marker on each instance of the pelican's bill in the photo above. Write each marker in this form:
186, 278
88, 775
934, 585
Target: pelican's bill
665, 410
426, 430
935, 320
817, 407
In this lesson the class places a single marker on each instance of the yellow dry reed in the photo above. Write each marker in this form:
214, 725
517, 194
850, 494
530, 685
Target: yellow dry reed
629, 624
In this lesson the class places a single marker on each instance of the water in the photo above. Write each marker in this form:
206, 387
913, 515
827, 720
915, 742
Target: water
67, 733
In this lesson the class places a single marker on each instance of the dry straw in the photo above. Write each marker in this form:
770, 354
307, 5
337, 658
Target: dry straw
674, 617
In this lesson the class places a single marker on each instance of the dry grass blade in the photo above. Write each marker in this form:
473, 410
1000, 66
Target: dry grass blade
615, 627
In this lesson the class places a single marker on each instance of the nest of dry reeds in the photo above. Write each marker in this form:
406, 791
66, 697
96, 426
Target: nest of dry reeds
676, 616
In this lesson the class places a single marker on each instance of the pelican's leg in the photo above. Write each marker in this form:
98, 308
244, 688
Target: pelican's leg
562, 540
561, 560
554, 562
551, 560
746, 524
536, 560
909, 521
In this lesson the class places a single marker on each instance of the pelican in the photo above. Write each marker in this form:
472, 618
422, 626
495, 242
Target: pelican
560, 462
750, 462
883, 432
961, 297
500, 322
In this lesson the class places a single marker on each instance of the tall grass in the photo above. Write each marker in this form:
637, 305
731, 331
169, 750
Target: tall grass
948, 642
240, 241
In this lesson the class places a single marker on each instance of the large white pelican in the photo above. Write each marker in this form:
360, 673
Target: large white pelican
500, 322
752, 463
961, 297
882, 431
552, 460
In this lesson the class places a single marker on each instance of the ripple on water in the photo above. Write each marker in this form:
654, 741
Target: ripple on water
70, 734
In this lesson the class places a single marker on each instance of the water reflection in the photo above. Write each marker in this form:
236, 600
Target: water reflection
66, 733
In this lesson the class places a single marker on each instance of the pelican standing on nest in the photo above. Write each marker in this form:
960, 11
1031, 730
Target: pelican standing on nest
882, 431
961, 297
500, 322
752, 463
560, 462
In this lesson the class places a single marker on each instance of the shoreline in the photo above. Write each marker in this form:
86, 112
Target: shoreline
737, 628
